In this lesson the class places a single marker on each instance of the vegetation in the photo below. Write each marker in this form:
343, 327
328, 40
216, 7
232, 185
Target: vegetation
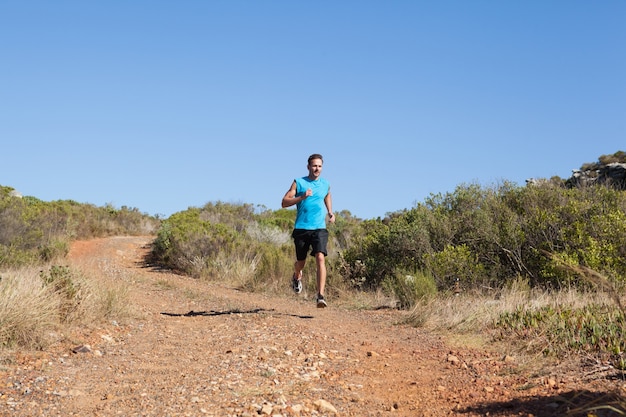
37, 295
35, 304
33, 231
486, 237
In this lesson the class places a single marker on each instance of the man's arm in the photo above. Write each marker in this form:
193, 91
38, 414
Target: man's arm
328, 201
290, 197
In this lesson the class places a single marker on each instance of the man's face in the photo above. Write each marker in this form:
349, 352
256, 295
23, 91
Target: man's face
315, 168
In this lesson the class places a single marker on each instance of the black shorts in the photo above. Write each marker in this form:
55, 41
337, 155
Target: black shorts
316, 240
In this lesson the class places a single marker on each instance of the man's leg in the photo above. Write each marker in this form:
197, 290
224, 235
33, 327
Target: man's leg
298, 266
296, 280
320, 259
302, 247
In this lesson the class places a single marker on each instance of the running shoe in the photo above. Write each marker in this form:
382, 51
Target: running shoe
321, 303
296, 283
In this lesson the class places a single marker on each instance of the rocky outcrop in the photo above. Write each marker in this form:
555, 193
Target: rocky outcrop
612, 174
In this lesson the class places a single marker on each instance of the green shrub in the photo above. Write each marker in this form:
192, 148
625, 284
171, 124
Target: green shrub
486, 236
455, 264
62, 281
409, 288
187, 243
397, 243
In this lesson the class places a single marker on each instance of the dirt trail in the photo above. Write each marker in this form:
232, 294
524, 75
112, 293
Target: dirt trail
201, 349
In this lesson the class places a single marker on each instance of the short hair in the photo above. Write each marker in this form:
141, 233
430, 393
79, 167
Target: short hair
315, 156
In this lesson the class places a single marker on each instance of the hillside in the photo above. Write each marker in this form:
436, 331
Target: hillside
200, 349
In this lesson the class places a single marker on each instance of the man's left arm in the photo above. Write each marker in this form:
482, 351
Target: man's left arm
328, 201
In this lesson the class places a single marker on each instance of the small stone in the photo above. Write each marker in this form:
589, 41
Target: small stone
324, 406
551, 382
107, 338
82, 349
267, 409
453, 360
508, 359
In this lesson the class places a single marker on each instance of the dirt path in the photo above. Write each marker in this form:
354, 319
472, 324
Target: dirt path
241, 354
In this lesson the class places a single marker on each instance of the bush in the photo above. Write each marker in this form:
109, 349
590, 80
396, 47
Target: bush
486, 236
187, 243
455, 265
409, 288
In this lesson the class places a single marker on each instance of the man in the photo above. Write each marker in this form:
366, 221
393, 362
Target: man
311, 195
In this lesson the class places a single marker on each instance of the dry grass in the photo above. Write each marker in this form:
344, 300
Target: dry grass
363, 300
468, 320
476, 313
239, 271
28, 312
32, 311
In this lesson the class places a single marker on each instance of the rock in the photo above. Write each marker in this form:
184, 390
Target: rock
508, 359
107, 338
611, 174
82, 349
551, 382
266, 409
324, 406
453, 360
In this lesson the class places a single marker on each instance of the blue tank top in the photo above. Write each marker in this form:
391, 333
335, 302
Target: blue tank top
311, 213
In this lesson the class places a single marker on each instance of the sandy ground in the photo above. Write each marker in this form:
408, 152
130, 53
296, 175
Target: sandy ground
194, 348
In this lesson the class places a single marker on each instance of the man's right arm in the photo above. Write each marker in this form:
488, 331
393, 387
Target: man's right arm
290, 197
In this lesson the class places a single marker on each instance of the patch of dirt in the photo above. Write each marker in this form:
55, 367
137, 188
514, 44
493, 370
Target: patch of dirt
194, 348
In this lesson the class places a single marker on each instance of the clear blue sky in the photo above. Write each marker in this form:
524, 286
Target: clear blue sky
163, 105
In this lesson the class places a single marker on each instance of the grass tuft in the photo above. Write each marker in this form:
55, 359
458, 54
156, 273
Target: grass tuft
35, 303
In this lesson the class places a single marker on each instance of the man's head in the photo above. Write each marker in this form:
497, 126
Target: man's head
315, 166
315, 156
